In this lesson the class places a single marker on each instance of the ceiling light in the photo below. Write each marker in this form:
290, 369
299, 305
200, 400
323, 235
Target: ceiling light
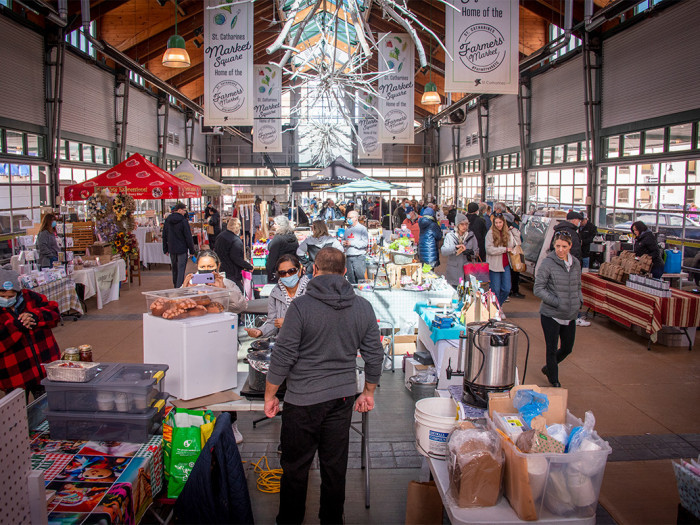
176, 54
430, 96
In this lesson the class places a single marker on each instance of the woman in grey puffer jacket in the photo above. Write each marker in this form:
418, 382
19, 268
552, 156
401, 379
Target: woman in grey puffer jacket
558, 284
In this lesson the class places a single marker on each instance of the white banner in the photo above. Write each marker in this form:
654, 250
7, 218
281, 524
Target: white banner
483, 41
228, 62
368, 128
267, 130
396, 88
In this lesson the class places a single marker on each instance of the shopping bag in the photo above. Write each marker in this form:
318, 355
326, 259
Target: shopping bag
210, 229
247, 284
517, 259
423, 504
480, 270
184, 434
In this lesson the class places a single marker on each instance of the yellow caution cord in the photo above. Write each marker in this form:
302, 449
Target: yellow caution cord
268, 479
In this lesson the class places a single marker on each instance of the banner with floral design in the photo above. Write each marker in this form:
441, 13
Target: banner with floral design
396, 88
267, 129
368, 128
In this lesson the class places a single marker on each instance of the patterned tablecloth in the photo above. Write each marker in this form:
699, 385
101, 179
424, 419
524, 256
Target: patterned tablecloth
98, 481
397, 305
63, 292
632, 307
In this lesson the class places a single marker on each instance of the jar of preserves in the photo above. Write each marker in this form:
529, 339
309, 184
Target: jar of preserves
85, 353
71, 354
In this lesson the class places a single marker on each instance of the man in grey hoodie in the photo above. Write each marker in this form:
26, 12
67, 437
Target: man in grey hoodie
316, 352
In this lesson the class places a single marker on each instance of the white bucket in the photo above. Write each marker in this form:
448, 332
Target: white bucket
435, 418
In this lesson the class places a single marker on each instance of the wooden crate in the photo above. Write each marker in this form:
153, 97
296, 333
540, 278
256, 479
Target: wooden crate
83, 235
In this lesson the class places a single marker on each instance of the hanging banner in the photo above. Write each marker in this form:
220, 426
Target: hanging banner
228, 61
267, 130
396, 88
368, 128
483, 41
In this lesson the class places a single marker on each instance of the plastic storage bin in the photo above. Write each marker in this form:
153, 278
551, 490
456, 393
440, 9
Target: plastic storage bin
117, 387
192, 301
106, 426
546, 486
674, 261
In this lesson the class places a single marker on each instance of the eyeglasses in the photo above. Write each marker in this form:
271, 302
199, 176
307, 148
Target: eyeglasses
559, 235
285, 273
498, 214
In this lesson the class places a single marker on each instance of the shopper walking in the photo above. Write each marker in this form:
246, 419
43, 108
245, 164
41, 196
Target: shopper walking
177, 241
587, 232
645, 243
46, 242
477, 224
500, 241
558, 284
292, 284
214, 220
284, 242
460, 247
319, 238
229, 248
316, 353
355, 243
570, 226
430, 235
26, 340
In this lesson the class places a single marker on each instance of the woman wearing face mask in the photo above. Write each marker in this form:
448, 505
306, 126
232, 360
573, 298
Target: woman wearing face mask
46, 241
319, 238
26, 340
208, 262
292, 284
460, 247
558, 284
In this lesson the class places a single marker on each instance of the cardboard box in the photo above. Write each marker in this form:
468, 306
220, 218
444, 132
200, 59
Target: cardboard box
101, 248
101, 259
502, 402
404, 344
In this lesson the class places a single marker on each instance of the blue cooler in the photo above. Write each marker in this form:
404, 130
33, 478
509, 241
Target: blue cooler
674, 260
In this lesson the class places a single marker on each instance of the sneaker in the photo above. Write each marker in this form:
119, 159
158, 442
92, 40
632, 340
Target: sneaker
507, 299
237, 433
582, 322
517, 295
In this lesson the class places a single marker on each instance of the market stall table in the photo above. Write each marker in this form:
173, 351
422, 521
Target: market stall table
63, 292
633, 307
397, 305
443, 344
502, 513
102, 281
130, 474
152, 253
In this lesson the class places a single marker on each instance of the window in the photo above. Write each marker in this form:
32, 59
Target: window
632, 142
14, 141
73, 151
78, 40
546, 156
572, 152
612, 147
623, 195
654, 141
24, 189
554, 33
680, 137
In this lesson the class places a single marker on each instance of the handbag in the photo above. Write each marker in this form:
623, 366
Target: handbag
247, 284
517, 259
478, 269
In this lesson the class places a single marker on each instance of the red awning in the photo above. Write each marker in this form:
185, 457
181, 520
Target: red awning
136, 177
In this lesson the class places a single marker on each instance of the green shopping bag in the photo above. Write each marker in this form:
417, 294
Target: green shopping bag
184, 434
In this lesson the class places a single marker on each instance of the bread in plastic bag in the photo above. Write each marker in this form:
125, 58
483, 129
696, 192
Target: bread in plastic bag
530, 404
475, 462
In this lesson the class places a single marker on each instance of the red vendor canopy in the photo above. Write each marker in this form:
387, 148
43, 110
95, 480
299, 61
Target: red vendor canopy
136, 177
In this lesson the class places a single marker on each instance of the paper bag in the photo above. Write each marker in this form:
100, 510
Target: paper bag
517, 260
423, 504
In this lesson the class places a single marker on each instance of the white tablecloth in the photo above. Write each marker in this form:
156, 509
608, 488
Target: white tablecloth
140, 234
397, 305
152, 253
110, 275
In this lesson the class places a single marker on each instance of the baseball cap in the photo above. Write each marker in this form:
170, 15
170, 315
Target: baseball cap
409, 209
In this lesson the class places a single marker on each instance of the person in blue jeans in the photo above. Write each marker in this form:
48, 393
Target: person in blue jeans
500, 241
177, 241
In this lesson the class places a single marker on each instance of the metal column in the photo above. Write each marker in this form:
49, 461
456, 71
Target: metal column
163, 113
189, 133
524, 98
592, 66
53, 82
455, 157
483, 116
121, 111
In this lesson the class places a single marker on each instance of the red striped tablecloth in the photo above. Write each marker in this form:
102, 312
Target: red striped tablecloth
632, 307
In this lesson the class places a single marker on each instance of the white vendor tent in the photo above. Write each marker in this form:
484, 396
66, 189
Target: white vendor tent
186, 171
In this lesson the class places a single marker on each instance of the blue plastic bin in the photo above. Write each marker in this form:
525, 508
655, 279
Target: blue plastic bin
674, 260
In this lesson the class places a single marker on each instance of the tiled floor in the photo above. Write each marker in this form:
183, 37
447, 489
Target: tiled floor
646, 403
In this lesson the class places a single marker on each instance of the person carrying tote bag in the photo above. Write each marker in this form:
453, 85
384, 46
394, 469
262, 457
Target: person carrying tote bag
500, 242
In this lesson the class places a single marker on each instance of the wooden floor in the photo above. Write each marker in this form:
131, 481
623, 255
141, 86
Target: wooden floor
646, 402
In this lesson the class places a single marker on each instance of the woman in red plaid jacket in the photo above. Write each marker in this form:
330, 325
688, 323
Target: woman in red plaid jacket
26, 341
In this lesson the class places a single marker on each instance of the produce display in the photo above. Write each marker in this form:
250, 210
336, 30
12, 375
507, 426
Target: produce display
402, 245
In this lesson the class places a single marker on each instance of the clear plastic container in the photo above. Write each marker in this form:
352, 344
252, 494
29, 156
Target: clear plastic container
550, 485
106, 426
183, 303
117, 387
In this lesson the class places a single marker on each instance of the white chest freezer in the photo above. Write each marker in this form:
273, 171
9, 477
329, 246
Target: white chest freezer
202, 352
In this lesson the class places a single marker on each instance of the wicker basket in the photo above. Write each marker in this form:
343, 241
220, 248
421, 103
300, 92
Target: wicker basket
55, 372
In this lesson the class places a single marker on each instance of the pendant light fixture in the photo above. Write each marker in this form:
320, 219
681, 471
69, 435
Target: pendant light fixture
430, 97
176, 54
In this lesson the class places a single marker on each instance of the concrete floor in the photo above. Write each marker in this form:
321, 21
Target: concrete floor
647, 403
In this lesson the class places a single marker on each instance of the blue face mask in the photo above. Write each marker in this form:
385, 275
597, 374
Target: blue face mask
6, 303
290, 281
53, 224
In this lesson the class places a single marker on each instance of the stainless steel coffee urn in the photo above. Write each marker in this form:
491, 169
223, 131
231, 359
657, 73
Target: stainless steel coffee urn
491, 358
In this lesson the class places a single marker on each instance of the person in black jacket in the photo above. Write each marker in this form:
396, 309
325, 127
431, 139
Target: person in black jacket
214, 220
570, 225
477, 224
177, 241
587, 231
646, 244
282, 243
229, 248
